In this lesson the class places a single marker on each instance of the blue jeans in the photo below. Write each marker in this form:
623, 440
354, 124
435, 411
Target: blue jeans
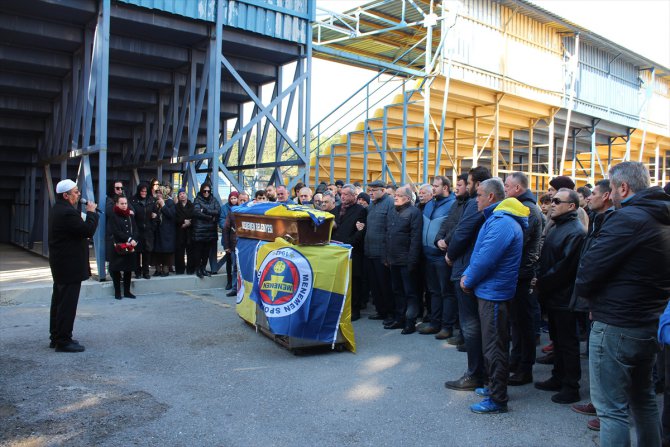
471, 328
620, 363
444, 307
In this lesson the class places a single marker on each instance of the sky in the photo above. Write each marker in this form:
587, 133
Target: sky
639, 25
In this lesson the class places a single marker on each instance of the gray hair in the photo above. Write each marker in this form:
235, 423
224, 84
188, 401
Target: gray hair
633, 173
405, 191
494, 185
350, 187
427, 186
520, 178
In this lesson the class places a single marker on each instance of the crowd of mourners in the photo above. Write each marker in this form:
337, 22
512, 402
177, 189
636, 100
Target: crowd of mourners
483, 264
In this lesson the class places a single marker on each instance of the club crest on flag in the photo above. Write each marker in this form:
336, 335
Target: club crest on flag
284, 282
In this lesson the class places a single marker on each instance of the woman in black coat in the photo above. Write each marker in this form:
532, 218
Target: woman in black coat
143, 204
165, 233
124, 238
206, 210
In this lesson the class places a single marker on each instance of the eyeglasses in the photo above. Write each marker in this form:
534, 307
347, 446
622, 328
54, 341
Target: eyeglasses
559, 201
206, 191
118, 187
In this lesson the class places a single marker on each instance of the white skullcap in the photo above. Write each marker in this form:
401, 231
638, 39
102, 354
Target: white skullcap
65, 186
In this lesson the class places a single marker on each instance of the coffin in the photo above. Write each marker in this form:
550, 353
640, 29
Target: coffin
296, 230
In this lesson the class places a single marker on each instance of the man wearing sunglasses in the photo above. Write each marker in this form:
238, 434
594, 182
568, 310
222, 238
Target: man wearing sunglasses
555, 281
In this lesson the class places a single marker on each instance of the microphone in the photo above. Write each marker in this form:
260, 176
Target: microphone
84, 202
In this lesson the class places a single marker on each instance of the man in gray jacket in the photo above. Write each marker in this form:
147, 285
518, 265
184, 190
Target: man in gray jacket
375, 251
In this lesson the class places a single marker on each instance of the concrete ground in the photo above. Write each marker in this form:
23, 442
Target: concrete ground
182, 369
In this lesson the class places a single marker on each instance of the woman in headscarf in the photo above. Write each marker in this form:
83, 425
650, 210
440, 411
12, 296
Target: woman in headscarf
227, 258
165, 230
143, 203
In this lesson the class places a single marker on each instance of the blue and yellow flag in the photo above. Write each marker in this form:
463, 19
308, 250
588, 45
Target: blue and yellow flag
304, 291
245, 252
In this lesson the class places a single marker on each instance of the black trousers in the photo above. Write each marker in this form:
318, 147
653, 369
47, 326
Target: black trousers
406, 301
183, 248
201, 251
567, 365
64, 300
143, 262
380, 283
522, 322
494, 317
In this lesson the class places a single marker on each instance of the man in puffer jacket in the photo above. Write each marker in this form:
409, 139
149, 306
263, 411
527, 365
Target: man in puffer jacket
206, 211
492, 276
403, 252
444, 309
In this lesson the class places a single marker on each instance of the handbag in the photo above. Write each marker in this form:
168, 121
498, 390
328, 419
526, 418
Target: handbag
123, 248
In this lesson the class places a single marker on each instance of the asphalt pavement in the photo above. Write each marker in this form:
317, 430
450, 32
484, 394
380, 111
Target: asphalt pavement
182, 369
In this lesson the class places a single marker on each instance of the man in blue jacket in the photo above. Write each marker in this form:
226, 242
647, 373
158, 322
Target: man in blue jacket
492, 276
444, 309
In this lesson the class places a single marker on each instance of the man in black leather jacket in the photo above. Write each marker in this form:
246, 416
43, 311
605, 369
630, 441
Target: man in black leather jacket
555, 281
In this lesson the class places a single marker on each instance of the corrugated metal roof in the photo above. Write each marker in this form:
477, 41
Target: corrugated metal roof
195, 9
279, 19
485, 11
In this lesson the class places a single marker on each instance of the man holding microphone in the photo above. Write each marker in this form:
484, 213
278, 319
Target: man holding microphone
68, 259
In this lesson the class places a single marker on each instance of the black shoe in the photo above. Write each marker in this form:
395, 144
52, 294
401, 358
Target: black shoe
138, 275
465, 383
199, 274
206, 273
376, 317
52, 344
444, 334
232, 293
164, 274
408, 330
212, 272
551, 384
546, 359
146, 276
70, 347
394, 325
157, 273
455, 340
518, 379
427, 330
129, 295
566, 397
229, 285
461, 348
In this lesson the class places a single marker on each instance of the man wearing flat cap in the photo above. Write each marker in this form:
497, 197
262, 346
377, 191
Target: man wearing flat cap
68, 259
380, 207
